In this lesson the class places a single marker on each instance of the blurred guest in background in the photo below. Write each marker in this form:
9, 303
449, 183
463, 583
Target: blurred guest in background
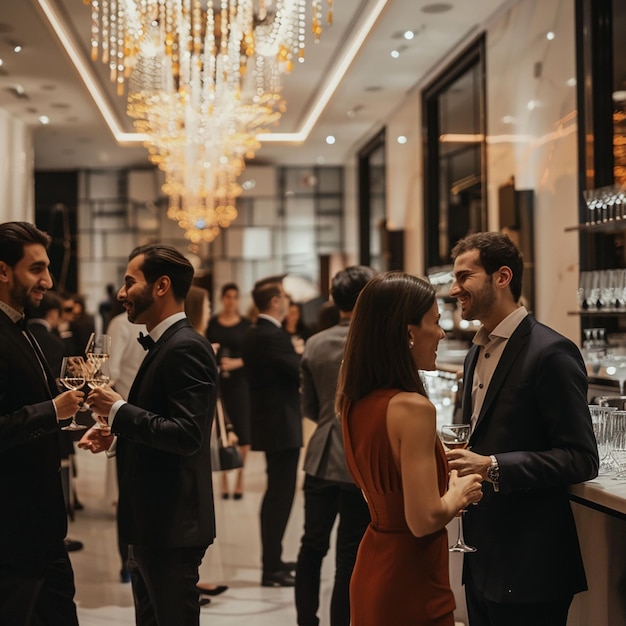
82, 325
295, 326
329, 490
227, 329
273, 378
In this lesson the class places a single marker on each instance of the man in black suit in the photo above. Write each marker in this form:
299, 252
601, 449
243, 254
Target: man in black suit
36, 578
525, 395
42, 324
273, 378
165, 510
329, 490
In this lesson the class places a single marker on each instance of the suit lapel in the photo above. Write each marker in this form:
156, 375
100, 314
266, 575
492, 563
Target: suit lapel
515, 343
149, 358
22, 346
468, 381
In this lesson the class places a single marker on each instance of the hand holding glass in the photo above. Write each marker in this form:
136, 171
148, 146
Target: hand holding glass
455, 437
73, 378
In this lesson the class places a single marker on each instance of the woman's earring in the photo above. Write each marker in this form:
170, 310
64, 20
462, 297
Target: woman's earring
411, 344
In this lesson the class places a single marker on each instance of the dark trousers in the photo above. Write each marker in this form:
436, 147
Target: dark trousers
281, 469
483, 612
323, 501
38, 594
164, 585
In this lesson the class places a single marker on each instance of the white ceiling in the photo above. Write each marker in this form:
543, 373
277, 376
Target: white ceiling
373, 86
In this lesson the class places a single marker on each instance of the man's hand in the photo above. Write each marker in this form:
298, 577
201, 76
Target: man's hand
101, 399
68, 403
466, 462
96, 440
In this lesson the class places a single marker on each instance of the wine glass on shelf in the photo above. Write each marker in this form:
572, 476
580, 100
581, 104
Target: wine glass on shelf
455, 437
73, 377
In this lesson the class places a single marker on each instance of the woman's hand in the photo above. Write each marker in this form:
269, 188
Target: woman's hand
467, 488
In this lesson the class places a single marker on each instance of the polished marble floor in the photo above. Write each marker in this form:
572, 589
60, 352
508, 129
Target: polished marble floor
233, 560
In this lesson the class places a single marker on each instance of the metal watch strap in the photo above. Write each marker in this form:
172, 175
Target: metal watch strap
493, 473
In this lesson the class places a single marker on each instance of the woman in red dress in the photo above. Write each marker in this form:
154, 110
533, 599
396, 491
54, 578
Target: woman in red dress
401, 575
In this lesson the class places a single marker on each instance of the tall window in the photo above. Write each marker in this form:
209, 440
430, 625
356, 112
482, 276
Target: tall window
455, 196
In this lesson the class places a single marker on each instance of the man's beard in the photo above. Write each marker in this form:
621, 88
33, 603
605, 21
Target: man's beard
140, 303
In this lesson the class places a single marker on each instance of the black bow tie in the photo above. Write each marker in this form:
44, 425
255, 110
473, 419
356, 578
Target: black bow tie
146, 341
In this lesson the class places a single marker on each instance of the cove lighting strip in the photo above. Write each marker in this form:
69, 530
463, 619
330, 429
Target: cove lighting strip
60, 27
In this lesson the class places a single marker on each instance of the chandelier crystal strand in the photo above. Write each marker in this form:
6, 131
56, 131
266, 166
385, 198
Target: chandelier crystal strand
204, 77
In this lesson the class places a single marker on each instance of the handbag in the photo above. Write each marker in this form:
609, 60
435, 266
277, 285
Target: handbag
229, 456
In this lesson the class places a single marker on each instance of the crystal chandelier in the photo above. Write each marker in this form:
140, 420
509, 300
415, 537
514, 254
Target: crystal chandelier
203, 79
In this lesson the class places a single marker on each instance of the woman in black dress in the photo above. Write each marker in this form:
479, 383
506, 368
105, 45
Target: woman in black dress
227, 328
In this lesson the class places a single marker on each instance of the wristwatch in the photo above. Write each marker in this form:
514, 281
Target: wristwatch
493, 473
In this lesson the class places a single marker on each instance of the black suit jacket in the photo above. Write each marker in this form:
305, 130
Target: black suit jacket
33, 519
272, 369
535, 420
163, 454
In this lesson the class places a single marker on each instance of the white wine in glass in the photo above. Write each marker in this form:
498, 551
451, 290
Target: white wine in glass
455, 437
73, 377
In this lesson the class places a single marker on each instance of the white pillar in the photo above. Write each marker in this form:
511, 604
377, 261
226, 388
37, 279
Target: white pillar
17, 186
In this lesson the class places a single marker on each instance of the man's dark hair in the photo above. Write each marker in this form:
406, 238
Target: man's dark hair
347, 285
496, 251
264, 290
14, 236
161, 260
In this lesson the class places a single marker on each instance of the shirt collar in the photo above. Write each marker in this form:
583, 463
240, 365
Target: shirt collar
157, 332
269, 318
13, 315
503, 330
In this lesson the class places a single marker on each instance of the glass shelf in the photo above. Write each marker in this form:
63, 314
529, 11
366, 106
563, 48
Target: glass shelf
598, 313
612, 226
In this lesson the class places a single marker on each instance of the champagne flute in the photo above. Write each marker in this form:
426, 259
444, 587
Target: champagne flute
73, 377
98, 350
455, 437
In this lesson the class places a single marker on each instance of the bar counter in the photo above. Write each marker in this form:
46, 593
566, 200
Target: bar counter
600, 510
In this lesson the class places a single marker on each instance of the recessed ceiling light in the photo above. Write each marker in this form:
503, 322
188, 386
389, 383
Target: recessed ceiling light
401, 139
1, 62
248, 184
395, 54
330, 140
550, 35
351, 114
437, 7
531, 105
44, 119
408, 35
17, 48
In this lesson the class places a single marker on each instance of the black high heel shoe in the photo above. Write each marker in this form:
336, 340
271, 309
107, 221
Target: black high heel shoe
211, 592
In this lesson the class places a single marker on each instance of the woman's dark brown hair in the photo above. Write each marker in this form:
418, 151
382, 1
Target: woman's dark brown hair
377, 354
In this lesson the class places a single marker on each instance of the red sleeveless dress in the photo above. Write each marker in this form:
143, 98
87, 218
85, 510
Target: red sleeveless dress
398, 579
